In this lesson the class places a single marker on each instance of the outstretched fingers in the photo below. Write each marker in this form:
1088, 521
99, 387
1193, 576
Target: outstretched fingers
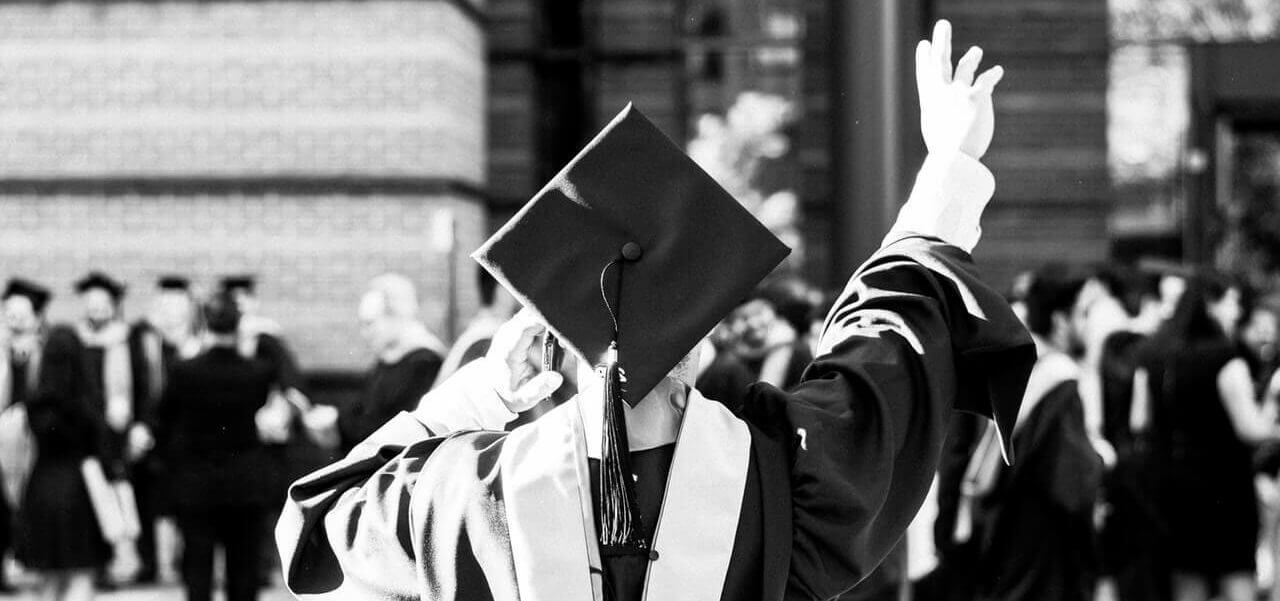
924, 66
942, 48
986, 83
968, 66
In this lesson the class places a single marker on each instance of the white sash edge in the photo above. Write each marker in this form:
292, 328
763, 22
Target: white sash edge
699, 521
543, 467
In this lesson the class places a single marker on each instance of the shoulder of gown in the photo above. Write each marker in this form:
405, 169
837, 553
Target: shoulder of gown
915, 334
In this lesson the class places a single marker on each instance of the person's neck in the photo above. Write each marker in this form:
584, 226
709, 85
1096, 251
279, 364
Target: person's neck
223, 341
654, 421
397, 351
1045, 345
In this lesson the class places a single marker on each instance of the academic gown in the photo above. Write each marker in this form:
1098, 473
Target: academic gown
1036, 525
799, 496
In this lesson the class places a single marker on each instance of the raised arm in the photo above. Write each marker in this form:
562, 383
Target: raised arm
1235, 387
914, 334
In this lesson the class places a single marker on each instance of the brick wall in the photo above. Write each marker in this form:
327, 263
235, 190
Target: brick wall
316, 144
1049, 155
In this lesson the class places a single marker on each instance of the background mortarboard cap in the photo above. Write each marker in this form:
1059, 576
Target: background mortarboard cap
1166, 267
102, 281
244, 282
175, 283
37, 294
700, 251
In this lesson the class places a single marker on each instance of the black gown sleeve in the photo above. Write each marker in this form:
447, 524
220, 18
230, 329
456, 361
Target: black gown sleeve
915, 334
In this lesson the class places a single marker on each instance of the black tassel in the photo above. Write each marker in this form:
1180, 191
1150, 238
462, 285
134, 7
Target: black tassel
620, 530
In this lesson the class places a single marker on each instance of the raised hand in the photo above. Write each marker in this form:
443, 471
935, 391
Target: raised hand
516, 351
955, 104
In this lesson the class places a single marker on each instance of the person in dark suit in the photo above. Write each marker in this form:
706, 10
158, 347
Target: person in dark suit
408, 358
205, 427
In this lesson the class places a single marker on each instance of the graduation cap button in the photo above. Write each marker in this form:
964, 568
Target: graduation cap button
653, 555
632, 251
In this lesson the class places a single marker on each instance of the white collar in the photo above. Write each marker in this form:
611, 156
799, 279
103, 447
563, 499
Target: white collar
652, 423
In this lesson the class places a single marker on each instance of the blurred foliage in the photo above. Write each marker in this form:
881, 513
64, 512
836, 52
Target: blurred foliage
736, 150
1142, 21
1250, 218
1148, 107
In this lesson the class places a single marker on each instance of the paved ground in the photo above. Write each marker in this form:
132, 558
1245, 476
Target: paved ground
170, 592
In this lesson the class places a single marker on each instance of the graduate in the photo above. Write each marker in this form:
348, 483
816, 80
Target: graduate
57, 530
157, 342
638, 487
105, 337
1032, 523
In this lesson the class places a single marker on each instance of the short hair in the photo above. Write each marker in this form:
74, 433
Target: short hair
221, 314
1054, 288
399, 296
1129, 285
791, 299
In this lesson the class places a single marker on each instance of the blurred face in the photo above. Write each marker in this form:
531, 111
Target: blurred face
20, 316
246, 302
174, 314
380, 330
99, 307
1259, 332
750, 323
1096, 314
1227, 311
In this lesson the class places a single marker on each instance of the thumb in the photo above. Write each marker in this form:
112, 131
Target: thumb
532, 392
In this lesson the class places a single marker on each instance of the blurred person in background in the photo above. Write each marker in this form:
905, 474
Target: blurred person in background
261, 339
1205, 420
496, 307
721, 376
1127, 313
206, 427
770, 332
953, 577
1258, 338
408, 357
157, 342
105, 337
1033, 521
57, 532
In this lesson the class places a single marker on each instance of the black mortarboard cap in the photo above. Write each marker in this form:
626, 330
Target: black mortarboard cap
174, 283
698, 251
99, 280
630, 255
247, 283
37, 294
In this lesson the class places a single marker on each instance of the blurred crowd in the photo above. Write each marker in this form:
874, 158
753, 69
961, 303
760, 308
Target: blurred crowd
1146, 451
139, 451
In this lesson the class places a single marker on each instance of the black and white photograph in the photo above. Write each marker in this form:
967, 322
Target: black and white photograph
640, 300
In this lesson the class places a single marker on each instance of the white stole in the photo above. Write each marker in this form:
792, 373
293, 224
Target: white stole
546, 491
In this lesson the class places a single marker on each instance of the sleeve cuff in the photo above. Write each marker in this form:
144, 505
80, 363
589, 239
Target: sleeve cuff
466, 401
947, 201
